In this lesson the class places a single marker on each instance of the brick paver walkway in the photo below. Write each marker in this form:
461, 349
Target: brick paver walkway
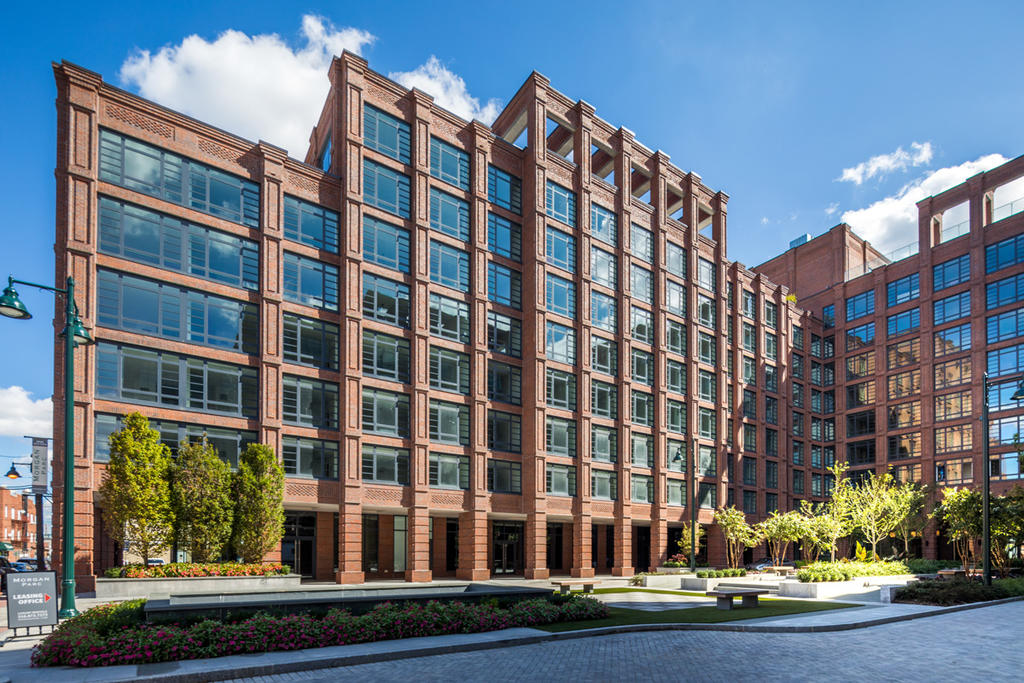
974, 645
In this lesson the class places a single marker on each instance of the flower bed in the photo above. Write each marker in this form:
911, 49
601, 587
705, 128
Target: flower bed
958, 591
180, 570
115, 634
844, 571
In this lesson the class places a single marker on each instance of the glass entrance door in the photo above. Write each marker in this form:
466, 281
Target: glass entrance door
298, 546
508, 547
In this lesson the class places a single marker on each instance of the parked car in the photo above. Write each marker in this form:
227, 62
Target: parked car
154, 561
20, 567
766, 562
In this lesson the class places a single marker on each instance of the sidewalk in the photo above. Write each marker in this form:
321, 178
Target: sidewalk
15, 655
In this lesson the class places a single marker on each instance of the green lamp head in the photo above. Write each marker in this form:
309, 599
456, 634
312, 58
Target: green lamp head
11, 304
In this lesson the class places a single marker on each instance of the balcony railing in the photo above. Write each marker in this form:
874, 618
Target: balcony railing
953, 231
1008, 209
898, 254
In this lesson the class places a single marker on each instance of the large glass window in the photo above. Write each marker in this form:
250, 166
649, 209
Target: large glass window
449, 370
1004, 254
385, 300
860, 305
643, 367
561, 204
903, 290
384, 465
604, 355
449, 266
504, 237
604, 399
603, 311
603, 485
385, 188
504, 190
310, 224
504, 431
675, 259
1006, 291
1005, 361
675, 376
560, 437
561, 249
145, 236
310, 282
903, 322
953, 406
449, 163
449, 214
952, 340
129, 303
675, 302
560, 343
675, 416
386, 134
158, 173
706, 275
604, 225
951, 272
447, 471
309, 402
642, 243
504, 382
642, 325
504, 476
385, 356
675, 337
449, 318
504, 334
952, 308
449, 423
903, 353
227, 442
309, 342
385, 412
385, 244
504, 286
561, 480
603, 269
860, 336
604, 443
1005, 326
642, 488
642, 412
561, 389
309, 458
561, 295
136, 375
641, 283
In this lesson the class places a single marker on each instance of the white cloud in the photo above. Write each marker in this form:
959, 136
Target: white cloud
831, 208
764, 220
257, 86
892, 222
900, 160
20, 415
448, 90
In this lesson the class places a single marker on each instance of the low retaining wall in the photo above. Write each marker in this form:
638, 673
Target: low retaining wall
121, 589
791, 588
663, 581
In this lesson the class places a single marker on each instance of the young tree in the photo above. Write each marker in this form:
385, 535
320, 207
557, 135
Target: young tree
780, 530
960, 511
258, 489
814, 530
134, 495
738, 533
201, 499
873, 508
834, 518
684, 541
1007, 527
908, 502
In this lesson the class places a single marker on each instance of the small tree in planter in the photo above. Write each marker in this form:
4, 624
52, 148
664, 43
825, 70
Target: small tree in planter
134, 495
908, 500
780, 530
960, 510
835, 518
814, 530
738, 533
875, 509
1007, 527
202, 502
684, 542
258, 489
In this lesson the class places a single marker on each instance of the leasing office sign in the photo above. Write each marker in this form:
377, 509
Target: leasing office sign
31, 599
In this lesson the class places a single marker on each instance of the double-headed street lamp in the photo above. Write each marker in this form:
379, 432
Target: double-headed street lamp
986, 540
74, 333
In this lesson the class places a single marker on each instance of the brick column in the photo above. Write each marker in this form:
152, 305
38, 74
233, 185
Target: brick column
474, 538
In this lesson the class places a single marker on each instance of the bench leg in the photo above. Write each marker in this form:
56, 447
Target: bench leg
565, 589
750, 601
588, 588
724, 602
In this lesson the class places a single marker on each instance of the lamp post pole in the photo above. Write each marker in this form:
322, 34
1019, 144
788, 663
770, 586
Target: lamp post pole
693, 506
74, 333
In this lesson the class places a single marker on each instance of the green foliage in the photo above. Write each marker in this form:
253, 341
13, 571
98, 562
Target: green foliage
957, 591
1007, 526
908, 502
861, 553
258, 490
738, 533
193, 569
836, 516
135, 497
874, 507
201, 500
684, 541
960, 511
106, 619
930, 566
780, 530
844, 571
720, 573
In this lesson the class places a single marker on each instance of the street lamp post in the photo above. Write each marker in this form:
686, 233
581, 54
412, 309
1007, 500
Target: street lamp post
693, 506
986, 535
74, 333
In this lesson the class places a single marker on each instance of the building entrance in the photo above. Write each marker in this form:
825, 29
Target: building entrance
508, 548
298, 546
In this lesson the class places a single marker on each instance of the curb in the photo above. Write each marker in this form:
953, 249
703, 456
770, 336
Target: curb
370, 658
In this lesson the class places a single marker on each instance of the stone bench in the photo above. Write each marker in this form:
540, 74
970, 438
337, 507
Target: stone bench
725, 596
566, 586
951, 573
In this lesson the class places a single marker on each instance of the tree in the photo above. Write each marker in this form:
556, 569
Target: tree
908, 502
960, 511
1006, 527
873, 508
814, 530
258, 489
834, 518
738, 533
134, 494
780, 530
202, 501
684, 540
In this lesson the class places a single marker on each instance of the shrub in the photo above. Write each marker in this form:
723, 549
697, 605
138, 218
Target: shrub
194, 569
115, 634
957, 591
930, 566
720, 573
844, 571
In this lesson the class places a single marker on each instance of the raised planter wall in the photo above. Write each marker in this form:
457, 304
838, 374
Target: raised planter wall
792, 588
663, 581
122, 589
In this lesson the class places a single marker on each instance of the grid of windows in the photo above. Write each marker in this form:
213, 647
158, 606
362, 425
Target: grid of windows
1006, 291
386, 134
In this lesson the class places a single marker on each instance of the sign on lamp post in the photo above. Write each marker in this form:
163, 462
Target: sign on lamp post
40, 464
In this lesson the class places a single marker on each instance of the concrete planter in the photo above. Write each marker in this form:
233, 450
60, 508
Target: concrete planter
825, 590
122, 589
672, 581
695, 584
672, 570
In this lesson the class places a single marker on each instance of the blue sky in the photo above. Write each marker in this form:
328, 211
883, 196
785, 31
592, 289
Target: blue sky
805, 113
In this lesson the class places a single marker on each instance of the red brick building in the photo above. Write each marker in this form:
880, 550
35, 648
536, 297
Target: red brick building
17, 523
478, 350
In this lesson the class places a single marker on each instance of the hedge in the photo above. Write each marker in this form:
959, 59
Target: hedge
844, 571
115, 634
175, 570
720, 573
957, 591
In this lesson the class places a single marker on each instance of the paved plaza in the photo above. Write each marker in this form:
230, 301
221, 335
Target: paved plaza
973, 645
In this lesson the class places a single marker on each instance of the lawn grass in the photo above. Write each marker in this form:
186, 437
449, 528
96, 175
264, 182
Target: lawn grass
622, 616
